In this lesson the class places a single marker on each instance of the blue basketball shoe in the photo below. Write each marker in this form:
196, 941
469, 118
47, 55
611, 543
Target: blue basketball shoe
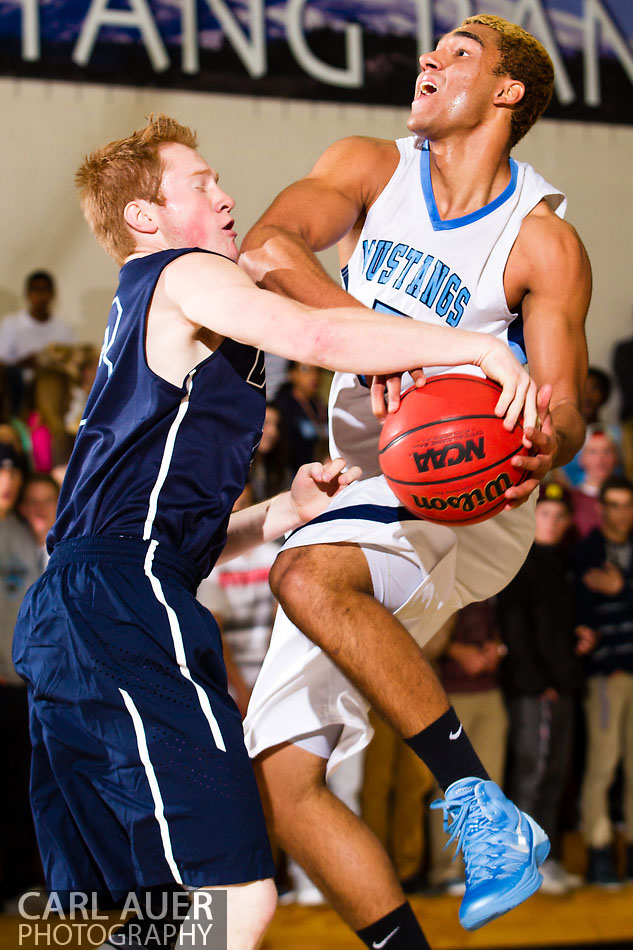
502, 849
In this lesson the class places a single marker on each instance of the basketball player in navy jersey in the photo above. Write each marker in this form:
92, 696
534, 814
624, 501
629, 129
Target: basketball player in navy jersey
140, 774
442, 227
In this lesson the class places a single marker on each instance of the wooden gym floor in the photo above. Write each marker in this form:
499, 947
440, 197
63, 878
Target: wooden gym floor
589, 917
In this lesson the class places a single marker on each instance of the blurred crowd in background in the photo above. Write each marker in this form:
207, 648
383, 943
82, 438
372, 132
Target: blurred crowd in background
541, 676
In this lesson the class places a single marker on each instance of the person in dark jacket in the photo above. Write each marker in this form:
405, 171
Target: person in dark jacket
304, 414
622, 362
604, 604
542, 675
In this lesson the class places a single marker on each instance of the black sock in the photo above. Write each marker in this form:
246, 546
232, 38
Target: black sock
445, 749
398, 930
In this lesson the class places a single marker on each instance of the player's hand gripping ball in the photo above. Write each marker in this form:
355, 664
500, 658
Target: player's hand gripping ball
446, 455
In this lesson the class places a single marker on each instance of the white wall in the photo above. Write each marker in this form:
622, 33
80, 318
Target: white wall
259, 145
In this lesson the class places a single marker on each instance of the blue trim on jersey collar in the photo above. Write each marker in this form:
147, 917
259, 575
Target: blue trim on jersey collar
429, 197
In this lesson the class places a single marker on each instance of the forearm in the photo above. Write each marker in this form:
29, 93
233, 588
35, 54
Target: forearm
366, 341
570, 429
253, 526
282, 261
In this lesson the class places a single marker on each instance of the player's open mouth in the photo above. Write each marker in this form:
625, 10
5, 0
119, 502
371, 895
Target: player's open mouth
426, 88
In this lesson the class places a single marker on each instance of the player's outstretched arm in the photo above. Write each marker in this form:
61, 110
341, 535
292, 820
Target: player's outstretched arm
211, 292
315, 213
312, 489
558, 282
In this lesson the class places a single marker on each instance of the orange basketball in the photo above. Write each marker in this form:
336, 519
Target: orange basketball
446, 455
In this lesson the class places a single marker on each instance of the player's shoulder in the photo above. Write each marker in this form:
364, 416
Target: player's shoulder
191, 276
199, 257
357, 156
546, 236
197, 263
358, 166
363, 145
547, 259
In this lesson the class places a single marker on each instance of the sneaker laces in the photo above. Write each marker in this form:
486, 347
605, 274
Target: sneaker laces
485, 855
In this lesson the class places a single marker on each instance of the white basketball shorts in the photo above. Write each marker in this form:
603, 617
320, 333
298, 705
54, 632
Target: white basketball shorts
299, 691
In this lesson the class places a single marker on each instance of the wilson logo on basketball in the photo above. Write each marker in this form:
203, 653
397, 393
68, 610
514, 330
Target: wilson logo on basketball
452, 454
468, 500
446, 454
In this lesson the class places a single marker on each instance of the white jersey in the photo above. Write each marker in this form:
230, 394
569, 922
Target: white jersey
410, 263
21, 336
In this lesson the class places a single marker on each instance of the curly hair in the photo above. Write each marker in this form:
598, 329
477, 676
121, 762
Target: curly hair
521, 57
122, 171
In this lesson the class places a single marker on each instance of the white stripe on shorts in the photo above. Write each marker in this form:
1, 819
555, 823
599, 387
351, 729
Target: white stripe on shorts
159, 810
179, 647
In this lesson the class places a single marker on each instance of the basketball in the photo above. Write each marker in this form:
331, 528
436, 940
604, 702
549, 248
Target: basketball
446, 455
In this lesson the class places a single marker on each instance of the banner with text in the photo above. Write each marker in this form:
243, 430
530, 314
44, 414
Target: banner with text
342, 50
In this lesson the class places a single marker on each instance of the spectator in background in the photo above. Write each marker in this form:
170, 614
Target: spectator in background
542, 676
9, 436
395, 785
84, 367
604, 610
51, 397
61, 382
598, 459
623, 370
239, 597
25, 333
19, 568
270, 469
469, 672
63, 379
38, 507
276, 374
596, 393
304, 414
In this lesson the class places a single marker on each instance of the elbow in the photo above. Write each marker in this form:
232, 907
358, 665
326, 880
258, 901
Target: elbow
254, 238
249, 262
580, 436
573, 444
264, 252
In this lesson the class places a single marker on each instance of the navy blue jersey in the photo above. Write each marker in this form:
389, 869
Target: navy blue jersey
153, 460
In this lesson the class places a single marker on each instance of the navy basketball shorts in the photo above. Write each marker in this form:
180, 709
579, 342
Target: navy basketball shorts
140, 776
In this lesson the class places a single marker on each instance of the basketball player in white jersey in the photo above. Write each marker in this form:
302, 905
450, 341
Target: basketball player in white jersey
443, 227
